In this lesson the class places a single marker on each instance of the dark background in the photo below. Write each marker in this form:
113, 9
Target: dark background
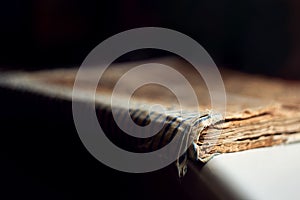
41, 154
260, 36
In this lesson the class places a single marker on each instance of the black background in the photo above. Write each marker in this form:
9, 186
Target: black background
260, 36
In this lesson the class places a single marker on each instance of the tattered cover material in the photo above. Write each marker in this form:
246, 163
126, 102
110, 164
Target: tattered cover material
260, 112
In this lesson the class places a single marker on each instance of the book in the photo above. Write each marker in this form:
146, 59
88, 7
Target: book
260, 111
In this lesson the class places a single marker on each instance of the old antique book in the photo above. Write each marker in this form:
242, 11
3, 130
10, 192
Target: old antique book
260, 111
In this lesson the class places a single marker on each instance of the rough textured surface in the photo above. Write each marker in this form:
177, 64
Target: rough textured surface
260, 111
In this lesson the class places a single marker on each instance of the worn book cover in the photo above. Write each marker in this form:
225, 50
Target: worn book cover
260, 111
